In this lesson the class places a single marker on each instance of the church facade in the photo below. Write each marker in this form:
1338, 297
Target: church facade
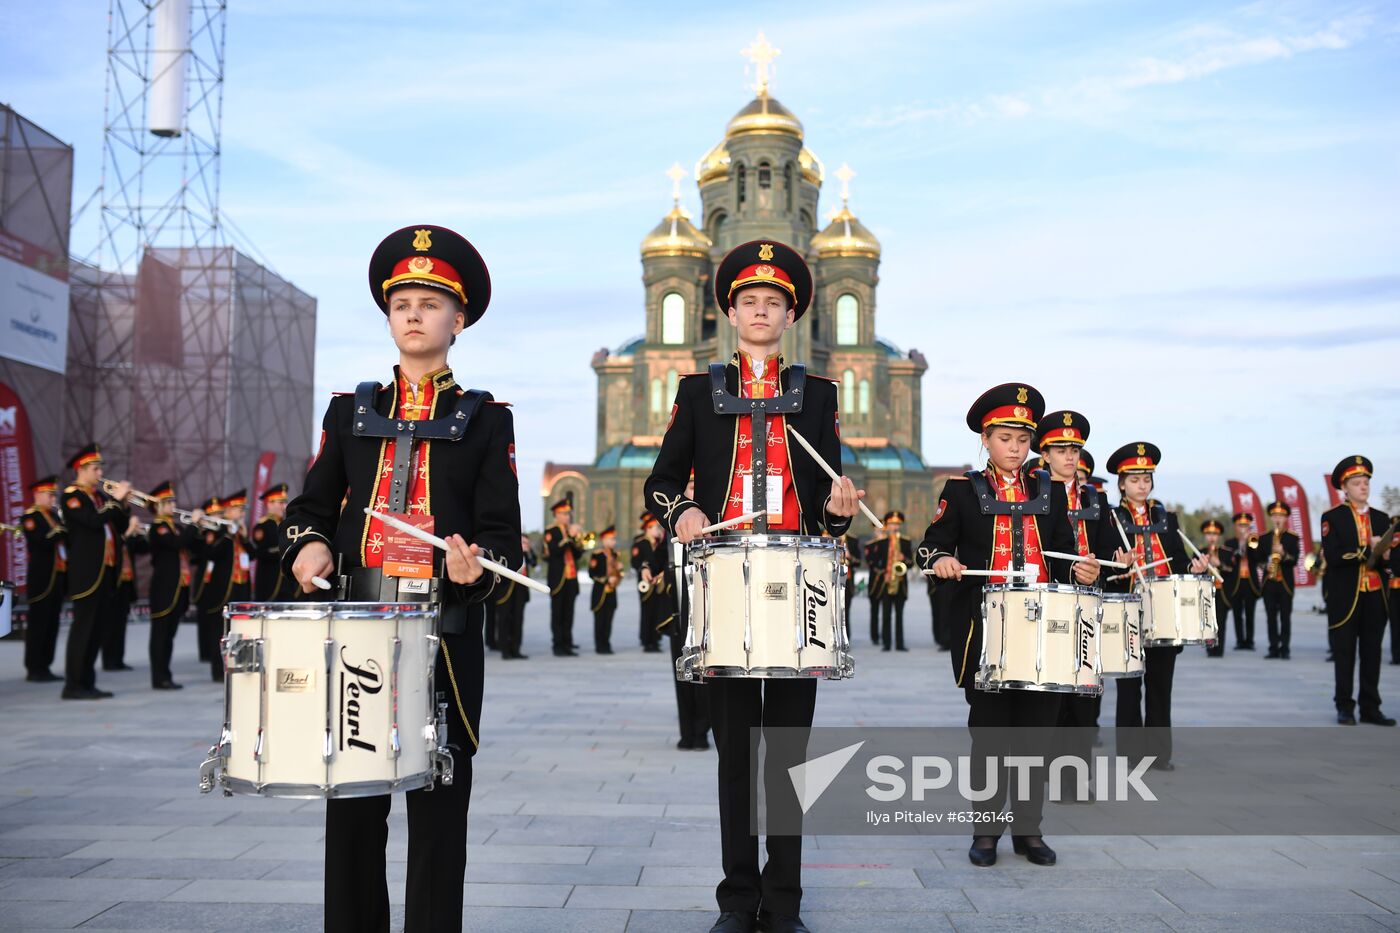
760, 181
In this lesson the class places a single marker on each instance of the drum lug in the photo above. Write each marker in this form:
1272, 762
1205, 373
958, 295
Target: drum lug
1032, 610
442, 766
242, 655
209, 771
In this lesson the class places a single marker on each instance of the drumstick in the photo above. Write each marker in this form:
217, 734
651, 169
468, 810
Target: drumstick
321, 583
491, 565
1155, 563
729, 523
1078, 558
1127, 547
990, 573
1197, 551
835, 477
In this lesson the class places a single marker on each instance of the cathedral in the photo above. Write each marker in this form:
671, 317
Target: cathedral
759, 181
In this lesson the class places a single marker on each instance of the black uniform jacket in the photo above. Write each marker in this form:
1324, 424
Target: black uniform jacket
1253, 558
1287, 562
598, 573
1346, 556
44, 534
959, 529
878, 562
701, 438
557, 543
509, 589
166, 540
219, 558
270, 582
85, 521
1109, 542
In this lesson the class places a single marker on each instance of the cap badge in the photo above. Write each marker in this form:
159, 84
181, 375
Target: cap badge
1069, 419
1022, 413
1142, 461
1022, 395
763, 272
420, 265
1358, 461
765, 252
1142, 449
422, 240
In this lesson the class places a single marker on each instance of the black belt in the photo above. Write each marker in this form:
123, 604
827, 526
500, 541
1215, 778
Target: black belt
370, 585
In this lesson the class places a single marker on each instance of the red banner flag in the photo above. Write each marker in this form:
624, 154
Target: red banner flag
262, 479
16, 476
1243, 498
1290, 492
1334, 495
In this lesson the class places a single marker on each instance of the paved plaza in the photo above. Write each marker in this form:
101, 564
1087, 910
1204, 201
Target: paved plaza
585, 817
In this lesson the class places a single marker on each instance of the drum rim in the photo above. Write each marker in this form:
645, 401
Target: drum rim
319, 611
1051, 587
749, 539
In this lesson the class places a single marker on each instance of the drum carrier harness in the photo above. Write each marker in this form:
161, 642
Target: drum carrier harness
989, 504
758, 410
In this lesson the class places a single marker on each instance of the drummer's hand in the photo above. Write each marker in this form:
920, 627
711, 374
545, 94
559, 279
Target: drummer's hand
1125, 557
1087, 571
844, 498
462, 565
1199, 565
689, 524
948, 568
313, 560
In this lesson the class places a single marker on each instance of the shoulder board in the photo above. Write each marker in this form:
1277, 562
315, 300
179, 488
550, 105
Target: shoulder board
32, 510
688, 375
823, 378
493, 401
68, 489
959, 476
342, 394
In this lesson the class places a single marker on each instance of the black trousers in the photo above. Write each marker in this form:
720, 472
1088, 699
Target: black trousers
1362, 634
210, 631
603, 621
561, 615
939, 599
654, 611
692, 710
1222, 618
41, 635
114, 634
1152, 690
738, 705
990, 718
489, 631
85, 635
1079, 725
1278, 614
1244, 615
357, 830
892, 605
1394, 624
511, 622
875, 600
162, 640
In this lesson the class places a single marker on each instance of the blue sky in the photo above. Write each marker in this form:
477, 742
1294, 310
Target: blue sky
1181, 219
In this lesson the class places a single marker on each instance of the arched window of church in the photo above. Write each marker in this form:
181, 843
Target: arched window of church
848, 319
658, 402
807, 223
848, 390
673, 318
864, 398
673, 379
787, 187
765, 175
742, 177
717, 225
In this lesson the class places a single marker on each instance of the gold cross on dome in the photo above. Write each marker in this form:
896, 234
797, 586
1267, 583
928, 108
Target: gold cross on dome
761, 53
676, 173
845, 173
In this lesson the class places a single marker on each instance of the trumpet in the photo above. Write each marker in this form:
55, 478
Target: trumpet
135, 495
587, 541
11, 529
1312, 562
896, 574
644, 587
1253, 542
208, 522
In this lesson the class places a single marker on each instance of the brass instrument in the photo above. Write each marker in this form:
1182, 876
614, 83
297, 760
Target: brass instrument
1253, 543
1386, 541
11, 529
135, 495
894, 576
614, 570
1312, 562
644, 587
586, 542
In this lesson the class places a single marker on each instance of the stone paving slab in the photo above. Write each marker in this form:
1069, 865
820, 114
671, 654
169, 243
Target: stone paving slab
586, 818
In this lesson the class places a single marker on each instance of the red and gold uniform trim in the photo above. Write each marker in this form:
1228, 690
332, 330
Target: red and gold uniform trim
763, 273
425, 269
411, 402
762, 384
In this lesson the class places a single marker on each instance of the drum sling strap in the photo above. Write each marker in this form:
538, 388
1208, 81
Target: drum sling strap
758, 410
407, 435
1091, 507
989, 504
1157, 525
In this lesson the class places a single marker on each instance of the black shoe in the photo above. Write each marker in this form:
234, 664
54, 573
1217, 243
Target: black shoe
732, 922
774, 924
1345, 719
1215, 653
1038, 854
900, 648
520, 657
1239, 646
217, 678
1328, 659
43, 677
702, 745
1271, 655
1377, 718
83, 693
652, 649
118, 667
573, 647
943, 648
167, 685
983, 856
1395, 662
566, 653
1284, 656
685, 745
1249, 646
886, 648
604, 651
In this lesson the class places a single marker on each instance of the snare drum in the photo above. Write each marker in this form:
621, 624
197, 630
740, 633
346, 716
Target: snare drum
1120, 635
328, 700
765, 606
1040, 636
1179, 610
7, 607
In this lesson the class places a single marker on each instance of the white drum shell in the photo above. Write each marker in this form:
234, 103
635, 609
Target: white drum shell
328, 699
1040, 636
1120, 635
7, 607
766, 606
1179, 610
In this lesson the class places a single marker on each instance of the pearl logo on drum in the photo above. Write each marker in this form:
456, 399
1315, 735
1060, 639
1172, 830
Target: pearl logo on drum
816, 598
355, 683
294, 679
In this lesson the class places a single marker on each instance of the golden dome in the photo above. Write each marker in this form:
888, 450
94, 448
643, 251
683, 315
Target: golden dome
766, 116
846, 236
714, 166
676, 236
812, 168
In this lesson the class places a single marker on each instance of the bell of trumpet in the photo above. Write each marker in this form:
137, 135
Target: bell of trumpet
644, 587
1253, 542
1312, 562
588, 541
10, 530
